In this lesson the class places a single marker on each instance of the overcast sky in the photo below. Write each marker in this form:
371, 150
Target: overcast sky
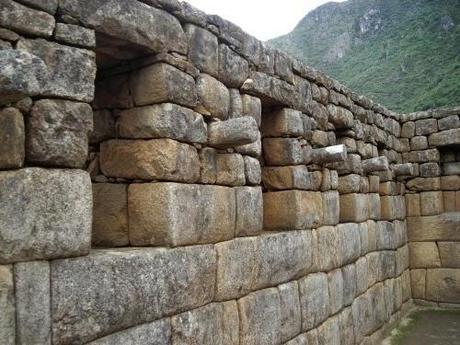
263, 19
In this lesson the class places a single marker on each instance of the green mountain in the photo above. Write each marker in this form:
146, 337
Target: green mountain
405, 54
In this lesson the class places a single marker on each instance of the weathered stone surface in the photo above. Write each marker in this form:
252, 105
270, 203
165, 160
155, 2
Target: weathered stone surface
375, 164
110, 215
233, 132
153, 333
340, 117
443, 227
49, 6
452, 168
154, 274
75, 35
429, 169
215, 323
349, 184
449, 137
406, 169
260, 318
431, 155
58, 133
392, 207
252, 106
449, 122
230, 169
335, 285
408, 129
347, 334
32, 290
374, 206
288, 177
233, 69
385, 236
45, 214
236, 267
431, 203
419, 143
12, 148
290, 310
450, 254
113, 92
249, 211
103, 126
443, 285
76, 80
166, 120
180, 214
349, 242
330, 154
203, 49
425, 127
22, 74
301, 210
424, 255
331, 207
361, 275
351, 165
314, 300
254, 149
7, 304
130, 21
329, 253
159, 83
329, 332
284, 122
353, 207
424, 184
18, 18
282, 151
252, 170
418, 283
162, 159
214, 97
282, 257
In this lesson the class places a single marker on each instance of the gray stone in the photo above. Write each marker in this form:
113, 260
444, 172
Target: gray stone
449, 122
103, 126
449, 137
21, 74
329, 332
214, 97
349, 240
12, 148
76, 81
252, 170
347, 334
284, 122
288, 177
130, 21
58, 133
230, 169
203, 49
419, 143
233, 132
215, 323
349, 284
291, 320
329, 249
164, 120
46, 214
425, 127
32, 289
429, 169
161, 83
80, 312
233, 69
340, 117
335, 285
282, 151
361, 275
49, 6
18, 18
249, 211
314, 300
252, 106
7, 305
75, 35
452, 168
375, 164
331, 207
254, 149
113, 92
153, 333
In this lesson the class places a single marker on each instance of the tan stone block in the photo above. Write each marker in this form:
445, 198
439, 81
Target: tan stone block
214, 97
282, 151
392, 207
450, 254
329, 254
443, 227
249, 211
449, 201
157, 159
388, 188
314, 300
424, 184
443, 285
374, 206
230, 169
292, 210
288, 177
335, 285
374, 184
291, 320
424, 255
450, 182
413, 204
110, 215
283, 122
177, 214
331, 207
431, 203
418, 283
349, 184
354, 207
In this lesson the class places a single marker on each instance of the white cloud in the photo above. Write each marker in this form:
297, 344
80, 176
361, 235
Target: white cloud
263, 19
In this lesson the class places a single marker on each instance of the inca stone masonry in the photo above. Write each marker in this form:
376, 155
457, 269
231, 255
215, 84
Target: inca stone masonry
166, 179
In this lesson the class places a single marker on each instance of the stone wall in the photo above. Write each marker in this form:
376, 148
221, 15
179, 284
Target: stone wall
168, 179
430, 140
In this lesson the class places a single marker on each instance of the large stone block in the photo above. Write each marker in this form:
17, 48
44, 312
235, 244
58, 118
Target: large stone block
260, 318
169, 280
12, 148
45, 214
424, 184
450, 254
349, 242
282, 151
329, 253
203, 49
58, 133
331, 207
159, 83
329, 332
443, 227
284, 122
76, 80
233, 69
110, 215
249, 211
180, 214
301, 210
349, 284
431, 155
424, 255
156, 159
32, 290
230, 169
214, 97
354, 207
413, 204
287, 177
449, 137
340, 117
314, 300
7, 305
152, 333
418, 283
164, 120
385, 235
431, 203
349, 184
233, 132
361, 275
75, 35
252, 171
132, 21
291, 320
215, 323
443, 285
18, 18
335, 285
